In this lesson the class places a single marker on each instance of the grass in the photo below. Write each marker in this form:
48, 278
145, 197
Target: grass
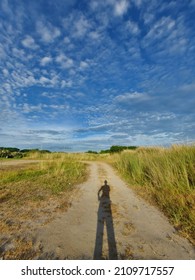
52, 175
70, 156
165, 177
30, 196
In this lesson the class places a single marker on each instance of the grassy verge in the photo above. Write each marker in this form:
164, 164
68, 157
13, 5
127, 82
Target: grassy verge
71, 156
165, 177
30, 196
51, 176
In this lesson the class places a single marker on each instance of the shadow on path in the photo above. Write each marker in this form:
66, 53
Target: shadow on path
105, 220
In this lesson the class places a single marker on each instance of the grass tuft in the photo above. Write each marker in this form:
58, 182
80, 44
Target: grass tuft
166, 177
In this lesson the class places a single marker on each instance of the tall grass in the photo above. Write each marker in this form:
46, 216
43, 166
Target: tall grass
166, 177
50, 176
63, 173
72, 156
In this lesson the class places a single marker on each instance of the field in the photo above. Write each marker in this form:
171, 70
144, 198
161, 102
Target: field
166, 178
33, 193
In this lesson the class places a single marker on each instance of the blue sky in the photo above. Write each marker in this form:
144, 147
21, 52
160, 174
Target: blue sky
81, 75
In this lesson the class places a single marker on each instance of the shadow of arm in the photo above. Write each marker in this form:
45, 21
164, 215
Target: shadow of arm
99, 196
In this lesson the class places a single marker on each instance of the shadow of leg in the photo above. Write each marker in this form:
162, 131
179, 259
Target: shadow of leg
105, 217
111, 237
99, 235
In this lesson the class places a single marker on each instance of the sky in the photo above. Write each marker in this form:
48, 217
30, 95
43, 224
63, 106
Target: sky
78, 75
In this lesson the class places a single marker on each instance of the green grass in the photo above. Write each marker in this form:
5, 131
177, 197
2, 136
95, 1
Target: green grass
70, 156
166, 177
62, 174
49, 177
17, 176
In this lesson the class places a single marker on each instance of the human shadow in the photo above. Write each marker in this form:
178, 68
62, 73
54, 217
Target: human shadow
105, 220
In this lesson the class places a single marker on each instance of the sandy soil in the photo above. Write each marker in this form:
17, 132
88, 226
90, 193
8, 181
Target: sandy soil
117, 226
18, 161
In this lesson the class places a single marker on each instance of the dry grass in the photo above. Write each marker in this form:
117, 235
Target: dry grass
165, 177
70, 156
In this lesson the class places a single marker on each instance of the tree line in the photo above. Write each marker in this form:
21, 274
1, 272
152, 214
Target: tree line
10, 152
114, 149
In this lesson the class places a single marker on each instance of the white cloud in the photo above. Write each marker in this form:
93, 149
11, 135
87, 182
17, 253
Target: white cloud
178, 46
2, 52
192, 3
132, 27
7, 87
94, 5
134, 51
121, 7
19, 53
66, 83
22, 78
45, 60
138, 3
148, 18
81, 27
84, 65
67, 40
5, 72
94, 35
60, 58
29, 43
51, 81
47, 31
64, 61
80, 94
43, 80
27, 108
48, 94
173, 35
135, 96
188, 87
57, 107
5, 7
161, 28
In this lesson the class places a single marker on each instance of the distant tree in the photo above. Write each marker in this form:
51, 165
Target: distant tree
132, 147
7, 152
10, 149
34, 150
117, 149
104, 151
91, 152
17, 154
25, 150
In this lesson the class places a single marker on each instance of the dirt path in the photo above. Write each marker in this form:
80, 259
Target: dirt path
126, 228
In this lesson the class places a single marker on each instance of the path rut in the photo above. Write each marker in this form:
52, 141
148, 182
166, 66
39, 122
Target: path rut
135, 229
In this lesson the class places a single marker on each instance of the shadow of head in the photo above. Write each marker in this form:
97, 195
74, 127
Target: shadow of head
104, 191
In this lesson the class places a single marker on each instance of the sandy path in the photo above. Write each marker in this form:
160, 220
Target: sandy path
131, 229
